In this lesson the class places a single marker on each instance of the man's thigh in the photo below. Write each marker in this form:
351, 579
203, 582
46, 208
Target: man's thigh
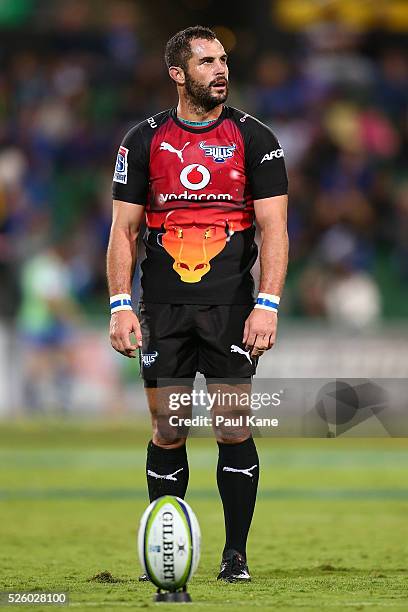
169, 345
179, 340
171, 409
231, 409
221, 353
168, 364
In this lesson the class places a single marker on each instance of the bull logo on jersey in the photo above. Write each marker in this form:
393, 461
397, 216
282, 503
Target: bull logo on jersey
192, 243
219, 153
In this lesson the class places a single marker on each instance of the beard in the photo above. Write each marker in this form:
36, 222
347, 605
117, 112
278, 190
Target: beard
201, 96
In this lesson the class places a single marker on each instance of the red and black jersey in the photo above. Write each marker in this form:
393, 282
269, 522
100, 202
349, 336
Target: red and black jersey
198, 186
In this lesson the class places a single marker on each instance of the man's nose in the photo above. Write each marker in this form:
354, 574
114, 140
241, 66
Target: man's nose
220, 68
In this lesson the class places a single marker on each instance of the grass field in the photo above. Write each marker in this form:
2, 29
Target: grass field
330, 530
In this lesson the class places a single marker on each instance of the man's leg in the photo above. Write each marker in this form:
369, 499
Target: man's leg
167, 469
238, 466
168, 357
228, 368
168, 365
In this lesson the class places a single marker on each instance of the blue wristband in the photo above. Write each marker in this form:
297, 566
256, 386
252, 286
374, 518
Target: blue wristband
121, 301
268, 302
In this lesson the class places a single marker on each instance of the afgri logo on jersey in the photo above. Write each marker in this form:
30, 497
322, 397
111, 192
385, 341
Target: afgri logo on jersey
272, 155
121, 168
219, 153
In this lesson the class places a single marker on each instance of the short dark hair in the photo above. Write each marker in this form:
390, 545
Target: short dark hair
178, 48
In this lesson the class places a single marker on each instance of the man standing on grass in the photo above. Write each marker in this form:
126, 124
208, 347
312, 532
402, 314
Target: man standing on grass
200, 173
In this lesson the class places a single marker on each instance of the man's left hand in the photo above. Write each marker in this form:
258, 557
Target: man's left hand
260, 331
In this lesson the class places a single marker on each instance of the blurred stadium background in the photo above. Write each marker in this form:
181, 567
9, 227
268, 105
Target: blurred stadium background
329, 77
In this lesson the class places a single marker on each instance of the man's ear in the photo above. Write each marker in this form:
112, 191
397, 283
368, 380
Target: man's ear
177, 75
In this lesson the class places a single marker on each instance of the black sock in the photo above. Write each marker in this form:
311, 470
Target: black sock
237, 479
166, 471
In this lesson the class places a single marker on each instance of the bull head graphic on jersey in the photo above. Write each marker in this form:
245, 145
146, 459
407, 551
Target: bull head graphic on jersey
193, 243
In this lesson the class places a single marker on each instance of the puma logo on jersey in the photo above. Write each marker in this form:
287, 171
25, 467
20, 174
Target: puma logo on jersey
237, 349
269, 156
165, 476
165, 146
246, 471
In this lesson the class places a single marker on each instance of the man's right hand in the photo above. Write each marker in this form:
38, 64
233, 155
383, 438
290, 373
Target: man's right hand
122, 324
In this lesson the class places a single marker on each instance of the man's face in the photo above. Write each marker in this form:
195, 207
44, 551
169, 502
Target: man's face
206, 75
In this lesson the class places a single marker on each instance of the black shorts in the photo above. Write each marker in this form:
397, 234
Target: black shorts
180, 340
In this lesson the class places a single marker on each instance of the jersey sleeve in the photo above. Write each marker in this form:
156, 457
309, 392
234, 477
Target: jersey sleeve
265, 163
131, 175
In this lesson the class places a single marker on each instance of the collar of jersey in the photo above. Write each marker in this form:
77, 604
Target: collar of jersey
197, 130
197, 124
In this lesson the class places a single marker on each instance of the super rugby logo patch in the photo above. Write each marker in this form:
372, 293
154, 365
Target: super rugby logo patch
121, 168
219, 153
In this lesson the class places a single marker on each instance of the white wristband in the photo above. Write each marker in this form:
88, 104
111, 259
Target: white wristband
120, 301
267, 301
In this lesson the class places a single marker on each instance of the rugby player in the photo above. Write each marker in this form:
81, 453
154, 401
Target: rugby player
200, 174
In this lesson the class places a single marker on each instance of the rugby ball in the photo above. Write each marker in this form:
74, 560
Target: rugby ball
169, 542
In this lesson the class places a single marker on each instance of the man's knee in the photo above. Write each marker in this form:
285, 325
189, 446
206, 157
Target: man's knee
231, 434
231, 437
169, 441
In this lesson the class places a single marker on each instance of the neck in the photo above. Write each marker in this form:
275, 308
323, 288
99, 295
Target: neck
186, 109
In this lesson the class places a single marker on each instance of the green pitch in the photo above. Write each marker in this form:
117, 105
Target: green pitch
330, 530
